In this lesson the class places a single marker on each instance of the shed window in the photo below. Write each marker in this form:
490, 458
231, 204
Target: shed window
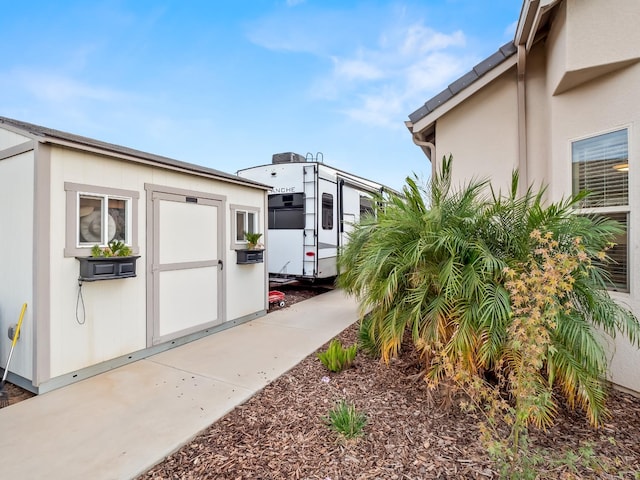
103, 218
327, 211
246, 222
600, 166
97, 215
244, 219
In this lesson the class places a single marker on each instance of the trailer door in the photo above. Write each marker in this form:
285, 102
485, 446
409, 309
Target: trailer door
349, 209
328, 228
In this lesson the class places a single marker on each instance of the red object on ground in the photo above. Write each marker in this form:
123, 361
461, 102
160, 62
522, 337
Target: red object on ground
276, 296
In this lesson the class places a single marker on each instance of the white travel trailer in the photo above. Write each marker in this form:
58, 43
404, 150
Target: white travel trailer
312, 207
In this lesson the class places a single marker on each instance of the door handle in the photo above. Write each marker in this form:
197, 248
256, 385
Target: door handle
221, 265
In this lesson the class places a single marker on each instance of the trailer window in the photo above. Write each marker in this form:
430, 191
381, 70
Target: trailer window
327, 211
286, 211
366, 206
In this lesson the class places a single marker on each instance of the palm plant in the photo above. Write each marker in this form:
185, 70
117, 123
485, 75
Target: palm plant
434, 261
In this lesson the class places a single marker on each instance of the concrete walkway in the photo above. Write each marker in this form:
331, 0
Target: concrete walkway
118, 424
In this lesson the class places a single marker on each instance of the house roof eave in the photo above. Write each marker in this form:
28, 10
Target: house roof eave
428, 119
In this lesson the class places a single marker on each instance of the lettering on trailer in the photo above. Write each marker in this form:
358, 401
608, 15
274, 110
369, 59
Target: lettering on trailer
284, 190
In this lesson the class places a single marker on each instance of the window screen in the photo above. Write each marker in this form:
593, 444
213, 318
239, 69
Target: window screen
600, 166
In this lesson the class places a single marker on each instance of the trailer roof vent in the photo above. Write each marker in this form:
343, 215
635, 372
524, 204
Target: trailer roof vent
287, 157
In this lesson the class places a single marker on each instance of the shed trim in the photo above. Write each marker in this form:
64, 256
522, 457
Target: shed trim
58, 137
17, 150
41, 308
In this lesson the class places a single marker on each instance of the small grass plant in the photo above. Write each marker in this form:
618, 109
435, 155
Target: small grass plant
337, 358
345, 419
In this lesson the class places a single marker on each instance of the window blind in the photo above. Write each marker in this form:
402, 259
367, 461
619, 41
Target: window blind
600, 166
617, 268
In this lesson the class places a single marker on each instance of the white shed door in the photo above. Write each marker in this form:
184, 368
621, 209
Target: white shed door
187, 270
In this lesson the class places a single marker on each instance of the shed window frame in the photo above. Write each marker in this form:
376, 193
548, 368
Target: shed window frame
250, 223
73, 223
611, 200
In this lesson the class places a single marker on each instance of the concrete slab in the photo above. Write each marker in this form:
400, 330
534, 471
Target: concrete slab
254, 354
111, 425
118, 424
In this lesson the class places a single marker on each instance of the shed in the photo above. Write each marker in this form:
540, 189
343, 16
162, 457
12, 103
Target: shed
61, 194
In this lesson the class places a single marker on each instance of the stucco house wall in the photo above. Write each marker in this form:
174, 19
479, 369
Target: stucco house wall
581, 75
482, 134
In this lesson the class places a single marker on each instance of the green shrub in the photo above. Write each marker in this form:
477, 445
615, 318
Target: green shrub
336, 358
448, 266
345, 419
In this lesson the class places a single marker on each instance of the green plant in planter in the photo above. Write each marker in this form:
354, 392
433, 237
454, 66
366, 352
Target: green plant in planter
252, 239
115, 248
336, 358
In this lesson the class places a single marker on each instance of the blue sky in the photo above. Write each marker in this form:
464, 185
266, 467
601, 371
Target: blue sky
226, 84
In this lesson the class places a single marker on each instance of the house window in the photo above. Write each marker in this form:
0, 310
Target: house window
600, 166
618, 269
327, 211
97, 215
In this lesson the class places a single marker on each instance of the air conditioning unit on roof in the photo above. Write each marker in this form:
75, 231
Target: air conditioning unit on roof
287, 157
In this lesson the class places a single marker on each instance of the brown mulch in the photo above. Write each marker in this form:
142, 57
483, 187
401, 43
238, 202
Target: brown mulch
410, 433
16, 394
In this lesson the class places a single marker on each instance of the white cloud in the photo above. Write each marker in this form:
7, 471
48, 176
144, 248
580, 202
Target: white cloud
57, 88
379, 110
356, 69
510, 31
433, 72
378, 77
406, 67
419, 40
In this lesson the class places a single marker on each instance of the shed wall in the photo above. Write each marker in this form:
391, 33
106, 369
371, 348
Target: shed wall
115, 311
16, 255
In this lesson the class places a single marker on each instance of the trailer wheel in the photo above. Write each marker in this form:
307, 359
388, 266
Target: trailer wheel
281, 303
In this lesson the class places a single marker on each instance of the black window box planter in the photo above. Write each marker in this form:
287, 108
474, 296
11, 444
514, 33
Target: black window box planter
107, 268
250, 256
